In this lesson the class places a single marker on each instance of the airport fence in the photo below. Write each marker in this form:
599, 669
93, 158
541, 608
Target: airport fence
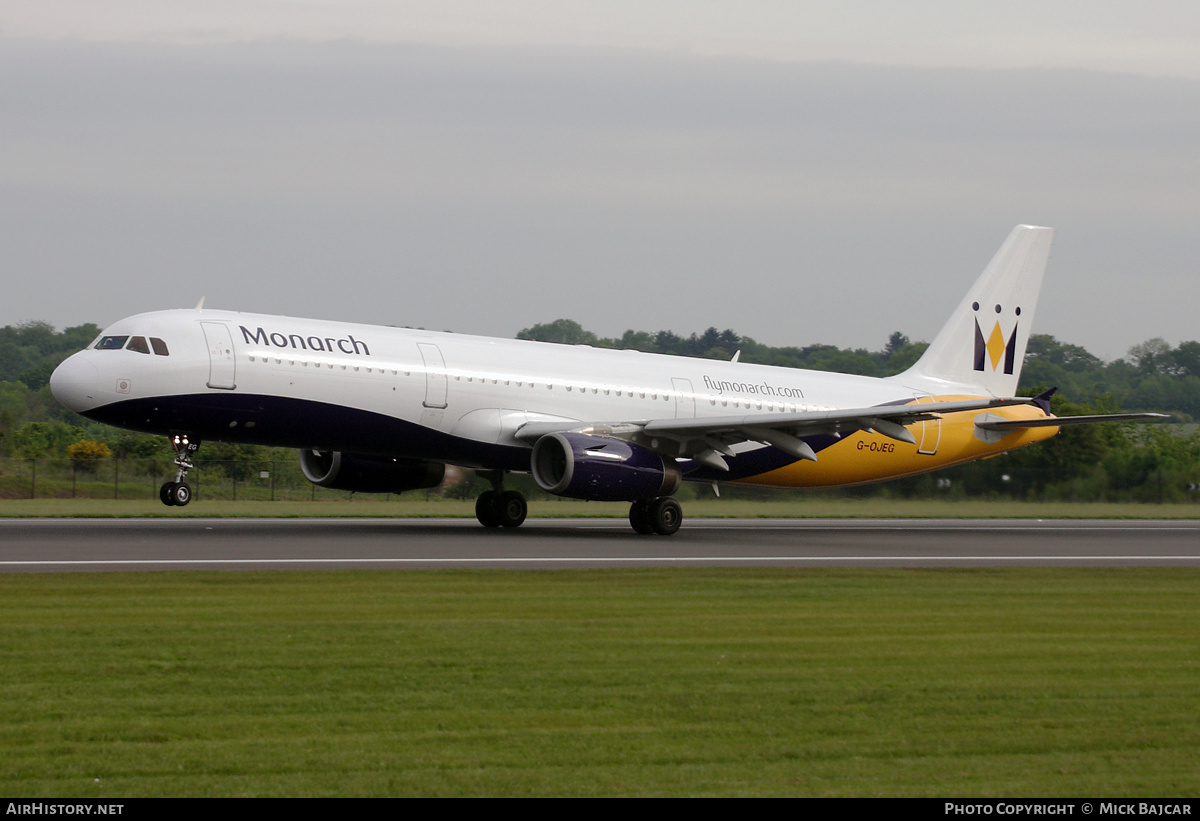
265, 480
282, 480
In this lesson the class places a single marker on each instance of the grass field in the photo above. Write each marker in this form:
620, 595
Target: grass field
788, 507
1009, 682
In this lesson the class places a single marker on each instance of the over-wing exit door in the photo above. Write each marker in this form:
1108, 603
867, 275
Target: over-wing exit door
435, 375
685, 400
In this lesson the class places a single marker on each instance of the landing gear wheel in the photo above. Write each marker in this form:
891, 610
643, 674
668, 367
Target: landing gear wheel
181, 493
639, 517
665, 515
486, 509
510, 508
662, 516
499, 507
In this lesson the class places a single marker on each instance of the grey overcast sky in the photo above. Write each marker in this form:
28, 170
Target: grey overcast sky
799, 172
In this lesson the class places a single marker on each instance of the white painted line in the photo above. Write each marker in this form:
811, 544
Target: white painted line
595, 559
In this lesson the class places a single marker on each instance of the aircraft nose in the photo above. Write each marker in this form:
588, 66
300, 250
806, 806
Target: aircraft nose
73, 383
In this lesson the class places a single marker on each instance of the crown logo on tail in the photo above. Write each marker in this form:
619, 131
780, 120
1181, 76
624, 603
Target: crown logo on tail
995, 347
1001, 306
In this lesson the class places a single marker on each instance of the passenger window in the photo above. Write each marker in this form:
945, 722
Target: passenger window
138, 344
111, 343
159, 346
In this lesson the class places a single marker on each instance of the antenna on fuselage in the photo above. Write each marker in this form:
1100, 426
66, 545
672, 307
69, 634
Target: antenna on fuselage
200, 304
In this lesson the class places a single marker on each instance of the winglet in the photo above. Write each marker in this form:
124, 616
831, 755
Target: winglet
1042, 400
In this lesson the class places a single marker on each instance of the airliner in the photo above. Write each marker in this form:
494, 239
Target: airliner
380, 409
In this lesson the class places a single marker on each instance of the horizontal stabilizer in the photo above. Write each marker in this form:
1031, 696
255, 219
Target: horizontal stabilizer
1060, 421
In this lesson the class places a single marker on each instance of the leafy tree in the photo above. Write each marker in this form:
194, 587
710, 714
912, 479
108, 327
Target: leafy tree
38, 376
87, 452
669, 342
38, 440
901, 353
1045, 348
565, 331
1187, 359
896, 342
14, 406
236, 461
1156, 465
636, 341
30, 351
1152, 356
130, 445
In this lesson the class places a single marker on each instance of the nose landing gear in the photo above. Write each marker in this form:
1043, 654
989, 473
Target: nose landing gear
179, 492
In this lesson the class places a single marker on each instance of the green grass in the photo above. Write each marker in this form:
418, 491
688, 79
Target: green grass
794, 506
1009, 682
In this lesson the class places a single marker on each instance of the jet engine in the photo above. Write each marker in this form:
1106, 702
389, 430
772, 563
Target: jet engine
601, 468
369, 474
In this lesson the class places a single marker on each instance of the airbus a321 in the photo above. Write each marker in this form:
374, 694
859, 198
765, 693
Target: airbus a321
380, 409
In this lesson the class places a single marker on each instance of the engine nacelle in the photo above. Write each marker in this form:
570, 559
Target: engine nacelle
369, 474
602, 469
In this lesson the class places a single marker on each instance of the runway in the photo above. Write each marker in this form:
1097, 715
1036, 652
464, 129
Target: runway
90, 545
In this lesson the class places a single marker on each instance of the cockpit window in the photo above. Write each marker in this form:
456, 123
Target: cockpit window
132, 343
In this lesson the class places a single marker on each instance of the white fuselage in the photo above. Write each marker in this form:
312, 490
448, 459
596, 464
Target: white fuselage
418, 394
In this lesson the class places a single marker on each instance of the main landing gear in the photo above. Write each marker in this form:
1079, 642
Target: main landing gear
498, 507
661, 516
179, 492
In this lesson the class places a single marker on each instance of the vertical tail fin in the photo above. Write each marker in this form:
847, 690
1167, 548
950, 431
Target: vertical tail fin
982, 346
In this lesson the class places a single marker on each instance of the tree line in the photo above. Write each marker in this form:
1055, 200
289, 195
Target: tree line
1084, 462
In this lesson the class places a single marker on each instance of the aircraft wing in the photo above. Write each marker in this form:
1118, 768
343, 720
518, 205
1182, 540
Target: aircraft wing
707, 439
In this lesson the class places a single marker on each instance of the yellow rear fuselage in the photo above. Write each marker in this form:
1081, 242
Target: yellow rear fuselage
864, 456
